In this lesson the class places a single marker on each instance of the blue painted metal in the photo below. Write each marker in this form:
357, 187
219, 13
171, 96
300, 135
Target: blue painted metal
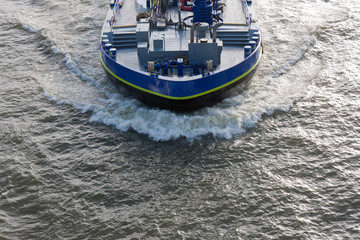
247, 51
203, 11
252, 45
180, 65
107, 47
179, 80
180, 89
112, 52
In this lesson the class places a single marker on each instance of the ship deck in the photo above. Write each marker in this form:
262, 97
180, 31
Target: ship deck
233, 12
232, 15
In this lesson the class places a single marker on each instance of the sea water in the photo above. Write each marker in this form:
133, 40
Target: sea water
80, 160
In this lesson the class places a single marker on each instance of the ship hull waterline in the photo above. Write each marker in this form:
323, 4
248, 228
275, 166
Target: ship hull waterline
202, 95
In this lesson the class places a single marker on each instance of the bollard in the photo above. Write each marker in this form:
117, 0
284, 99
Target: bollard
107, 47
112, 52
247, 51
253, 45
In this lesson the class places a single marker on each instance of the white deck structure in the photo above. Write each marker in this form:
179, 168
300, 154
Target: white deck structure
234, 34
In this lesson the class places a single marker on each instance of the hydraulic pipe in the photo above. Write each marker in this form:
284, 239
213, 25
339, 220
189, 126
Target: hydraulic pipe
197, 32
192, 31
179, 12
214, 30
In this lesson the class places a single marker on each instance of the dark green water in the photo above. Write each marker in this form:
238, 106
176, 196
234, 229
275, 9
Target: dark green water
81, 161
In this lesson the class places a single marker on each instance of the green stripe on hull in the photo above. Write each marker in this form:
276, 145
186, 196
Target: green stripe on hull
181, 98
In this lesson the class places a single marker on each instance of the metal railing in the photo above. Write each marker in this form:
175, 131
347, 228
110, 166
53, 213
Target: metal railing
246, 11
113, 18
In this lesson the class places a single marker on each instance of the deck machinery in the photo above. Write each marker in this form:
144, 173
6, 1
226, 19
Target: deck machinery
180, 54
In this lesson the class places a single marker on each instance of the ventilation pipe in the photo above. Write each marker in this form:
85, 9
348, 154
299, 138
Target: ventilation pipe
192, 31
214, 30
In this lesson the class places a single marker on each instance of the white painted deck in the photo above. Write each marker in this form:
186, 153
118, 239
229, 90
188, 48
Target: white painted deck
125, 16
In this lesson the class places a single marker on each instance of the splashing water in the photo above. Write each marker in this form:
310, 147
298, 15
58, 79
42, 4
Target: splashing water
279, 82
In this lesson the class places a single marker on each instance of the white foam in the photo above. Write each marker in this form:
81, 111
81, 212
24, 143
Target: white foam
67, 59
231, 117
30, 29
280, 82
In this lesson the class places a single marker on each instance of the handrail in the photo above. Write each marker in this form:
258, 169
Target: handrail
246, 11
113, 19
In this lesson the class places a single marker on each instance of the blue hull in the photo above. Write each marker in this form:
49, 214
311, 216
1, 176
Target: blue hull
186, 94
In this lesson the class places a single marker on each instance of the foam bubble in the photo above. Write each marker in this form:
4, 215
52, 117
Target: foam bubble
30, 29
231, 117
279, 82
